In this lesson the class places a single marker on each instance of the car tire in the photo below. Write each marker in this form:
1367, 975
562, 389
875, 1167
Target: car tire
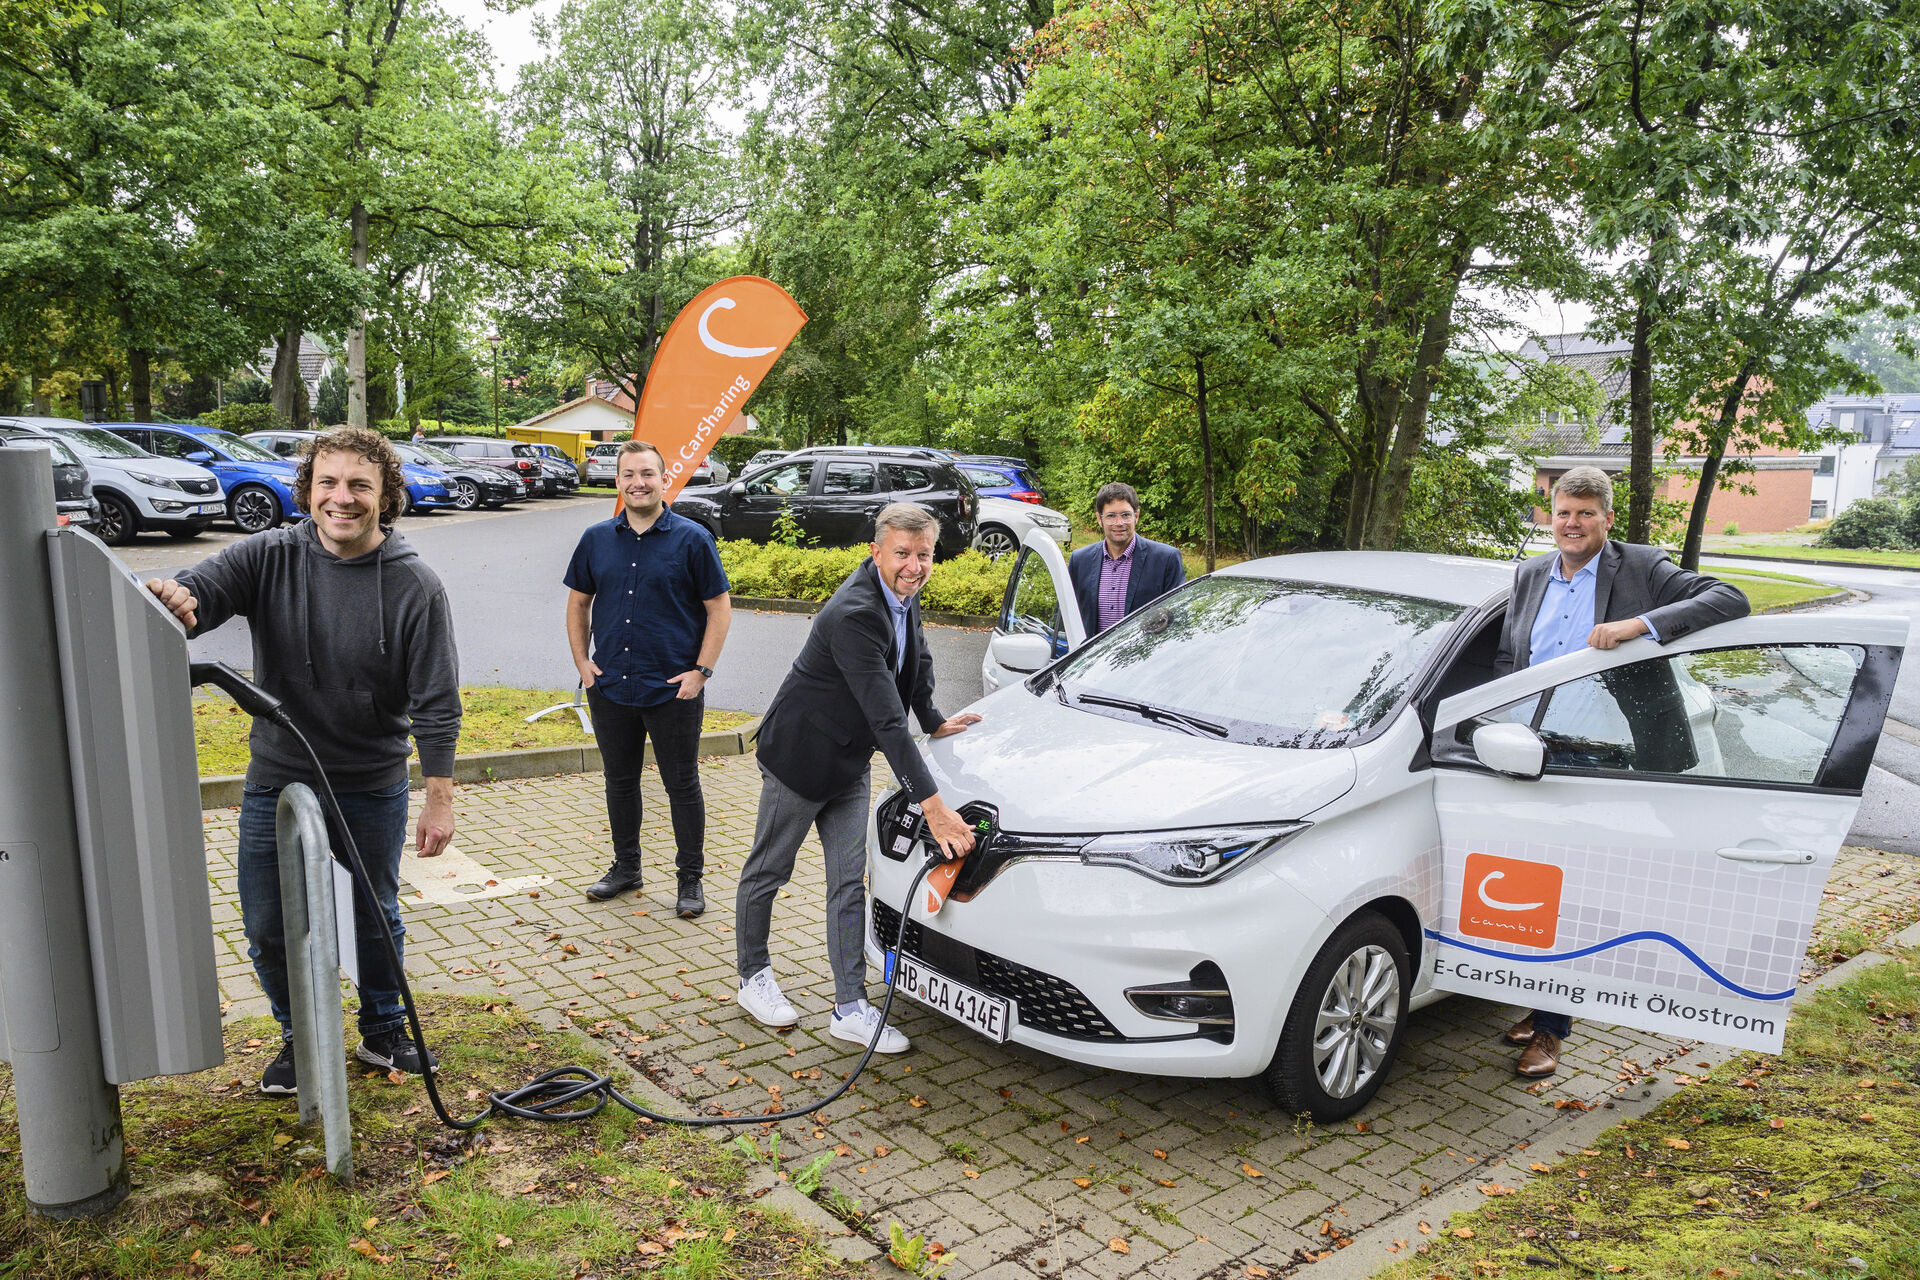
406, 503
466, 495
187, 532
994, 541
118, 524
254, 508
1347, 1021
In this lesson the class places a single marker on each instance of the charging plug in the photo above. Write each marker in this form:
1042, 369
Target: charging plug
251, 697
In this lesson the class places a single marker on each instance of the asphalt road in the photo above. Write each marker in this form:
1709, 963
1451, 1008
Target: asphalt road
503, 568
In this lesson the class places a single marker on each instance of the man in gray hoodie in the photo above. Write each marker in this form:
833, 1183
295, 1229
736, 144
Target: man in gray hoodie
351, 631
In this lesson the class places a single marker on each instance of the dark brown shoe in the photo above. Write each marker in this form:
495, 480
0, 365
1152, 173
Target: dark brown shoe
1541, 1056
1521, 1032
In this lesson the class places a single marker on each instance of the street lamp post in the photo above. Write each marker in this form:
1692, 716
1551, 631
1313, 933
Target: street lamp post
493, 340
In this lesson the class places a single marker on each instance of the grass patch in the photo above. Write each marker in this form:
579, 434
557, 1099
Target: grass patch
492, 719
1773, 590
228, 1184
1770, 1167
1837, 555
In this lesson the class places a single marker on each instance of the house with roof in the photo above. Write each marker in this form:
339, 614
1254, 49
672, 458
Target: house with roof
1883, 433
603, 412
1782, 480
315, 363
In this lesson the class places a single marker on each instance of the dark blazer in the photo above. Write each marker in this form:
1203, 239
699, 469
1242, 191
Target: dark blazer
1629, 581
842, 698
1157, 569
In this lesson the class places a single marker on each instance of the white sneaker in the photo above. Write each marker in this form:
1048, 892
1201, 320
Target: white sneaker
862, 1024
760, 996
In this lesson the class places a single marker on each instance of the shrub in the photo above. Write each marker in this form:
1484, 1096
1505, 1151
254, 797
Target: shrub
1732, 530
970, 583
1879, 523
735, 450
242, 418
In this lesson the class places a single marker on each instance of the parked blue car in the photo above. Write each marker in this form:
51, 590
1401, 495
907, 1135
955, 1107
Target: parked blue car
259, 486
1000, 477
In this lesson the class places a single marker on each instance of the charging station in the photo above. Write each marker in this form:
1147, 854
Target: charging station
106, 938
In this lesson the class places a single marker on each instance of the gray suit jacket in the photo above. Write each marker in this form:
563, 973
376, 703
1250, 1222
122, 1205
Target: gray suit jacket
1630, 580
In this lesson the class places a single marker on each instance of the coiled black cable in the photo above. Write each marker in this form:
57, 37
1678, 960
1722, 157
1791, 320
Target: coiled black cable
551, 1096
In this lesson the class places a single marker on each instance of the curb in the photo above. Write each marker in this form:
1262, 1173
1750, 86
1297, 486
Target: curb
223, 790
1831, 564
770, 604
1817, 602
1369, 1252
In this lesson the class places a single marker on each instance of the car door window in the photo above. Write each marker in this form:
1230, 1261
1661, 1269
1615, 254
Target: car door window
903, 479
1033, 605
169, 445
1765, 714
847, 477
984, 479
782, 482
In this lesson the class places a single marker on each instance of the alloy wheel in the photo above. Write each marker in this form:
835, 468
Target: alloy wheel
1359, 1014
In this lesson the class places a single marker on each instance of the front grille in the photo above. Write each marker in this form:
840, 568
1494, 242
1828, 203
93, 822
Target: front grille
1046, 1003
199, 486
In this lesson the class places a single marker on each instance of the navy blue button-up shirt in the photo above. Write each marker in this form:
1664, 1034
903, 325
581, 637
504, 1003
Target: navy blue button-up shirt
649, 602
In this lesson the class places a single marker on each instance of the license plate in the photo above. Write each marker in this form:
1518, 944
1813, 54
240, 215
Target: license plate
211, 508
992, 1016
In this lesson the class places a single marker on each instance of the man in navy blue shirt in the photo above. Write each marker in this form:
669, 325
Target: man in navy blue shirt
647, 588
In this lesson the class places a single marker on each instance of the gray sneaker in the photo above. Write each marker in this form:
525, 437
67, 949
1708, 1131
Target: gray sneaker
278, 1079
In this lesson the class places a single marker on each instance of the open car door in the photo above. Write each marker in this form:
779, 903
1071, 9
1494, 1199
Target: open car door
1640, 836
1039, 618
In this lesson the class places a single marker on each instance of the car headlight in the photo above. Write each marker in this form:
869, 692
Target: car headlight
1050, 522
158, 482
1193, 856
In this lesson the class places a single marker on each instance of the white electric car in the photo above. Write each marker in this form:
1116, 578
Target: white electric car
1220, 823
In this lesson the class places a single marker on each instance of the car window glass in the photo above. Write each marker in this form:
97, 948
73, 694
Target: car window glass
782, 481
1036, 604
169, 445
991, 480
1272, 663
903, 479
1762, 714
246, 450
95, 443
848, 477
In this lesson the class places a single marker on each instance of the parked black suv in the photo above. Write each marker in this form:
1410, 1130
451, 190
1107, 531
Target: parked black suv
835, 493
508, 455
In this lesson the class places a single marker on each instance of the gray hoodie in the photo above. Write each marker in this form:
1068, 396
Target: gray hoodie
360, 650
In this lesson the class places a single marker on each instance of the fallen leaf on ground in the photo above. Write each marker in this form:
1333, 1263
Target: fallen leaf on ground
1257, 1272
1465, 1233
1250, 1171
1776, 1123
1117, 1245
435, 1176
1537, 1167
1679, 1144
1083, 1182
1159, 1154
503, 1242
1494, 1189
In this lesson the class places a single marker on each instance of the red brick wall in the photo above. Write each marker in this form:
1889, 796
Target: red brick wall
1780, 500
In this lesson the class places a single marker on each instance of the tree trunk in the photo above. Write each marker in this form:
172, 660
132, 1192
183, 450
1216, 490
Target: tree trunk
285, 381
1206, 451
1395, 479
1640, 425
357, 332
140, 380
1710, 470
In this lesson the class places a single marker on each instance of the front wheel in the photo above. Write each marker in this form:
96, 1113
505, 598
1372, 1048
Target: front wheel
117, 523
466, 494
995, 541
254, 509
406, 503
1346, 1024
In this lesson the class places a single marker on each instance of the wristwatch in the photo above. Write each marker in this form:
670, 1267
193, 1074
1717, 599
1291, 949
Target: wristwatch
706, 673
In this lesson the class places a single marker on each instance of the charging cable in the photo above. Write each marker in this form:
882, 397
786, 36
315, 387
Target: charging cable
565, 1093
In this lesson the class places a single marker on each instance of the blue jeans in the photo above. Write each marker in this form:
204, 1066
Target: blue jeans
378, 821
1556, 1025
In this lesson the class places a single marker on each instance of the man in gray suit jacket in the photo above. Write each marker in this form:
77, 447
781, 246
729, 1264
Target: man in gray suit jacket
1594, 593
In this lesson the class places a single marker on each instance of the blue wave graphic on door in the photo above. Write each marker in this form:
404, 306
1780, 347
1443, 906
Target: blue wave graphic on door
1645, 935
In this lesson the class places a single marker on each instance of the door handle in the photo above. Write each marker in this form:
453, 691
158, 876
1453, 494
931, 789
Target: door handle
1790, 857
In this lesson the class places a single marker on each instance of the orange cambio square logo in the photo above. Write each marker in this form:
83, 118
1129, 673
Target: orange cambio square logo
1507, 900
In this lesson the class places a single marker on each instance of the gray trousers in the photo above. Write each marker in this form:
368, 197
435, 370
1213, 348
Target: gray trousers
785, 816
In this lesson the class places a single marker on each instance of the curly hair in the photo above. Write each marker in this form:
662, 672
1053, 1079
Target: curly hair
370, 445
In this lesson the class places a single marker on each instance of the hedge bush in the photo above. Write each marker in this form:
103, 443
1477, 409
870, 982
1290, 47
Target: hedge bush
242, 418
969, 583
1879, 523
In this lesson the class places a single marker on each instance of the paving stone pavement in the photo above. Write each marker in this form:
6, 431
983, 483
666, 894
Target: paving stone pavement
1020, 1164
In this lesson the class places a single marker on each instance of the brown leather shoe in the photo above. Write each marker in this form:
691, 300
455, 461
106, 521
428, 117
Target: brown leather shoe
1521, 1032
1541, 1056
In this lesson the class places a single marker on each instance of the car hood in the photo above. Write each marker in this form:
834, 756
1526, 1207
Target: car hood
153, 465
1010, 508
1054, 768
420, 473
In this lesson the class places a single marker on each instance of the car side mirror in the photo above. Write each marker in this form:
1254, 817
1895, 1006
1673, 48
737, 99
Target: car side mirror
1021, 651
737, 489
200, 456
1512, 750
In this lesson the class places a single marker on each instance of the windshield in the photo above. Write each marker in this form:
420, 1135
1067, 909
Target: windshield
245, 450
432, 455
95, 443
1277, 664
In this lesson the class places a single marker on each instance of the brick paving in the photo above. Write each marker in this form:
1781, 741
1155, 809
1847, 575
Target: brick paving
1020, 1164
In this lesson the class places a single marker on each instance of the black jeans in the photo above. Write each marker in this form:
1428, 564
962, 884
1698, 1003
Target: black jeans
622, 733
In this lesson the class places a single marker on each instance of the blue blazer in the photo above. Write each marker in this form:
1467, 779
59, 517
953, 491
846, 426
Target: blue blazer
1157, 569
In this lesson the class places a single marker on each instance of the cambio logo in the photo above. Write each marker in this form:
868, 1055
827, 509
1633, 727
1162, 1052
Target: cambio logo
1510, 900
718, 347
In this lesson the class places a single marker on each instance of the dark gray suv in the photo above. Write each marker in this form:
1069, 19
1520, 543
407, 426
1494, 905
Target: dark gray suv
834, 494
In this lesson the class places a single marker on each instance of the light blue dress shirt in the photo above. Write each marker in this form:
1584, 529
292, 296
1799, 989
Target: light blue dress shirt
899, 608
1566, 615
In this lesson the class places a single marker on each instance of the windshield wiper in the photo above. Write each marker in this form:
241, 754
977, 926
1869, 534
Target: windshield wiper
1159, 715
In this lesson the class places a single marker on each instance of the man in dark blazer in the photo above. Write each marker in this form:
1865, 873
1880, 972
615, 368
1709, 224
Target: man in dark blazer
863, 665
1595, 593
1121, 572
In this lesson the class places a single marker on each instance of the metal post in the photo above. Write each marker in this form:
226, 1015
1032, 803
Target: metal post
70, 1140
313, 971
578, 706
